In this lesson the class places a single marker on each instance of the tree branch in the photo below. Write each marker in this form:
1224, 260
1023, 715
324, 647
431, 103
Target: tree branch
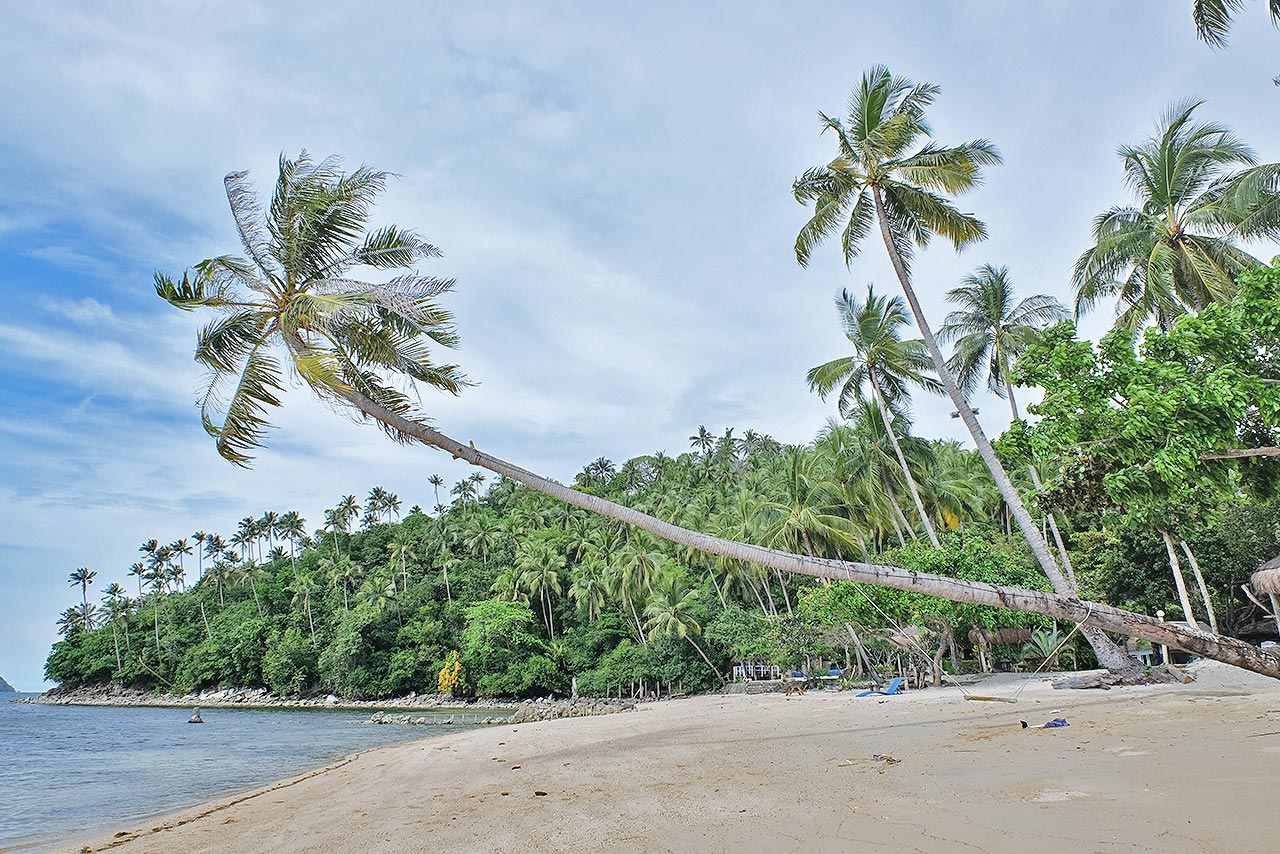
1238, 453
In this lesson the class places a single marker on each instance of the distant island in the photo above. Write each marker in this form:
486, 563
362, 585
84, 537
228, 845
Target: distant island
6, 687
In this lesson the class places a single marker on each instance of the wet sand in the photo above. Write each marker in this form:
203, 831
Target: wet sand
1187, 768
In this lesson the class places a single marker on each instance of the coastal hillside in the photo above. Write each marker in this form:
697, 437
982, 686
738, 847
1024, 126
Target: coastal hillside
499, 591
6, 688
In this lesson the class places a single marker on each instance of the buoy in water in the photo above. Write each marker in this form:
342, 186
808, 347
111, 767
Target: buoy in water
195, 716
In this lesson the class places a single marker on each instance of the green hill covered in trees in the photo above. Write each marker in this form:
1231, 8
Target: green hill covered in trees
528, 594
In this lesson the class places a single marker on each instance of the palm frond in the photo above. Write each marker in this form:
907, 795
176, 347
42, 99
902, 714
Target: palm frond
247, 214
1213, 19
233, 405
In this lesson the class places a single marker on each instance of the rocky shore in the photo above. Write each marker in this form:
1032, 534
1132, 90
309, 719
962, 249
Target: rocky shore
504, 712
527, 711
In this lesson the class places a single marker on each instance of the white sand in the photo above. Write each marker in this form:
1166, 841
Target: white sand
1168, 768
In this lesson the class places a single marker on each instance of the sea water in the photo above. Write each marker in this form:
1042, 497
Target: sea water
70, 771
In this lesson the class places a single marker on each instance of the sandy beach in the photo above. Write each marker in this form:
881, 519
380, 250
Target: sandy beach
1190, 768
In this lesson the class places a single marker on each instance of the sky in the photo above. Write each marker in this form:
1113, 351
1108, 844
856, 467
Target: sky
609, 186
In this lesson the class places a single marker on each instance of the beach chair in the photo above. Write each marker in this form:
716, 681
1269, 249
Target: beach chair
895, 686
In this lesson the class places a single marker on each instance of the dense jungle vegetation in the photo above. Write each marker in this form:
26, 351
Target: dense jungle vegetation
1153, 452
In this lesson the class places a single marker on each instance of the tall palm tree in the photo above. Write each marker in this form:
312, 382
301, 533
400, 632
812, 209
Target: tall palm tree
82, 578
269, 527
702, 441
883, 362
303, 587
436, 482
179, 548
401, 549
348, 510
221, 573
667, 615
252, 573
1176, 250
293, 528
588, 589
540, 565
878, 179
873, 464
116, 605
990, 332
350, 340
139, 571
199, 537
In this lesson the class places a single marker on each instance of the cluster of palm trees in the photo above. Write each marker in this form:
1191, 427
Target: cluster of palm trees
351, 340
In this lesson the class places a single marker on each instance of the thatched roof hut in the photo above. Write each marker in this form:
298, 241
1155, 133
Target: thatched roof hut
1267, 578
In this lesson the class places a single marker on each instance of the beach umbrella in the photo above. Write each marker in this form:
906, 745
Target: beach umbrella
1267, 580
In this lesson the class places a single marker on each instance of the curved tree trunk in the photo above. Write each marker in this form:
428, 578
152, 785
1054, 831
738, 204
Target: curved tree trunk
1178, 580
901, 517
718, 674
1100, 617
1204, 589
1109, 654
1039, 487
902, 459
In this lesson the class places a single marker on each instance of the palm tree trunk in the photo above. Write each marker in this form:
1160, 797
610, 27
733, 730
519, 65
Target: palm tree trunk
644, 641
718, 674
116, 638
756, 591
901, 517
720, 593
897, 529
1110, 655
902, 459
1099, 617
1178, 580
1039, 487
786, 597
1204, 589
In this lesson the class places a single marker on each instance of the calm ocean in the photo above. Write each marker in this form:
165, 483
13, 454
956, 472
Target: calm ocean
68, 771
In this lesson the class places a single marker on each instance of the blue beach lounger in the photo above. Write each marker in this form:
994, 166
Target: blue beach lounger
894, 687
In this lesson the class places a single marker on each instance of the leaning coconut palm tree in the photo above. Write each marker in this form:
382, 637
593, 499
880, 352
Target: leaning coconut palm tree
882, 362
293, 299
1200, 192
879, 176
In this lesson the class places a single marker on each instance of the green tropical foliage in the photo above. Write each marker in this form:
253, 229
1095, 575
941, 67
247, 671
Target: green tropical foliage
1201, 192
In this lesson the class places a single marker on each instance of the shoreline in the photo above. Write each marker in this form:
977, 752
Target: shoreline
924, 771
506, 711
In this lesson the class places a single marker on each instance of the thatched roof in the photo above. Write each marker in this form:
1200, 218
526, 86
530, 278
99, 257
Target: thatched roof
1267, 578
